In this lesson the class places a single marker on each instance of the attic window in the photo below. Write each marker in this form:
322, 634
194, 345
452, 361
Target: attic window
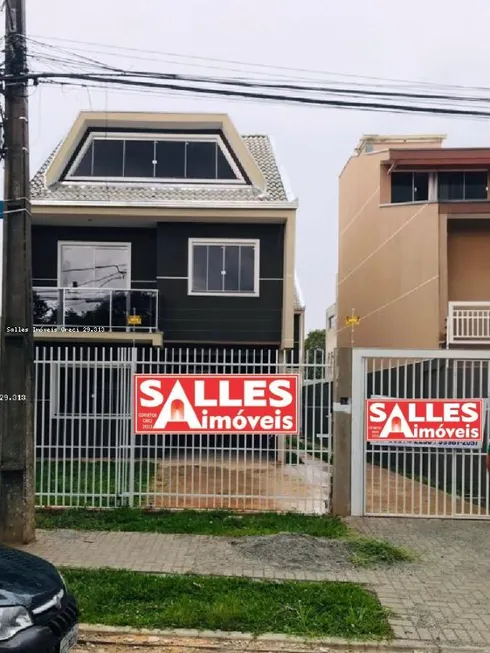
144, 157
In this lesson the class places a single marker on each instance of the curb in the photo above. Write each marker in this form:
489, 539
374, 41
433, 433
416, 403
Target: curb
221, 641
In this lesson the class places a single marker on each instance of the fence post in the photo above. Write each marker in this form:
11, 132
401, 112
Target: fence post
342, 432
132, 443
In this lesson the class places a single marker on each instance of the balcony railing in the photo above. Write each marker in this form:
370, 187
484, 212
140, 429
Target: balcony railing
102, 308
468, 323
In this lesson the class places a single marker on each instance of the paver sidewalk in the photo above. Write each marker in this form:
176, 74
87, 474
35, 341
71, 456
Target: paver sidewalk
443, 598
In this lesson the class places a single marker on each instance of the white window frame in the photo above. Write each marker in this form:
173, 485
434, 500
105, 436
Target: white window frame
223, 242
55, 389
126, 136
106, 245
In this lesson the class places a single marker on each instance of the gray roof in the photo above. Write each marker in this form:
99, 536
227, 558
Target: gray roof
259, 146
298, 305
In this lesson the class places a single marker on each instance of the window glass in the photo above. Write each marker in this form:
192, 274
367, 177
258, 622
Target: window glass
111, 267
108, 158
450, 186
225, 171
401, 187
232, 268
138, 158
201, 160
94, 266
420, 186
215, 268
200, 267
170, 157
76, 266
247, 268
84, 168
475, 185
146, 159
223, 268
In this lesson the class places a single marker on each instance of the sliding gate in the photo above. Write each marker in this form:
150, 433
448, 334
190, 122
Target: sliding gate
417, 481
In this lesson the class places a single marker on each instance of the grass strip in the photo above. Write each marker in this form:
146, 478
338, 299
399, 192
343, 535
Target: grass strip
97, 484
192, 522
329, 609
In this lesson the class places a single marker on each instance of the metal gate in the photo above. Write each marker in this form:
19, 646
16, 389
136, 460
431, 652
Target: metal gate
86, 453
82, 414
392, 480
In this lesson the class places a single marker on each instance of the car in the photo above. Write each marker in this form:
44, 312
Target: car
38, 614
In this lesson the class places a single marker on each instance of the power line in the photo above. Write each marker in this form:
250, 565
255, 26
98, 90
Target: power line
129, 80
267, 86
262, 65
204, 96
124, 80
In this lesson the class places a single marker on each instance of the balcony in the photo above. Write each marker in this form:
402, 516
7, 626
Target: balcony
468, 323
95, 310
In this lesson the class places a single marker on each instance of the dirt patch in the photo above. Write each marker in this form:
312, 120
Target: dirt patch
390, 493
291, 551
248, 485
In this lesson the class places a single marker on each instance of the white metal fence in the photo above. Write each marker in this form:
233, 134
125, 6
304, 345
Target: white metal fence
468, 323
86, 455
392, 480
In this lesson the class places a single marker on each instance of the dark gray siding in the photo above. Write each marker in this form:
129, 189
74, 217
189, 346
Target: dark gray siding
297, 337
219, 319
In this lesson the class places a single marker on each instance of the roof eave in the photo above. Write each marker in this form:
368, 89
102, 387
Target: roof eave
182, 204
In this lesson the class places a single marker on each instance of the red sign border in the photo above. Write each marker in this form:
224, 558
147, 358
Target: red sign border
296, 432
431, 443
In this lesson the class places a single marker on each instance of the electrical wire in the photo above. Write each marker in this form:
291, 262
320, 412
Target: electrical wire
428, 102
270, 86
268, 67
204, 96
297, 99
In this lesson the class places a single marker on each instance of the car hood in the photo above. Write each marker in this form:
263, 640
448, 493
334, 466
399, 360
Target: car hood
26, 579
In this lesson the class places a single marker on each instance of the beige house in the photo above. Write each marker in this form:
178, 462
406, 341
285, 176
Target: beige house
414, 244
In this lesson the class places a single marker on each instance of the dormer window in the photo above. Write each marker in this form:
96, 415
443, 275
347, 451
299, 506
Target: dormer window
144, 157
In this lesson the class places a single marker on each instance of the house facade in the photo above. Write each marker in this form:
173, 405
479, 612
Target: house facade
164, 229
168, 235
414, 244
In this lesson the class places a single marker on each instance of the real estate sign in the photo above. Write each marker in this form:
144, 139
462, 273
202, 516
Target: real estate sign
425, 422
216, 403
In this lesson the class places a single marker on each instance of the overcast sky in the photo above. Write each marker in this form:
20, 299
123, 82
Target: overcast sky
441, 41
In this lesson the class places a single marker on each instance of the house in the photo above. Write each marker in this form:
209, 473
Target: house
166, 234
414, 244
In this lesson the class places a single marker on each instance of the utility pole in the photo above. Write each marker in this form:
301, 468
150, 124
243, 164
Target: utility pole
17, 492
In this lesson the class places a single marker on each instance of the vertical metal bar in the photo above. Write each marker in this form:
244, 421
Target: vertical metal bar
110, 310
94, 411
130, 394
73, 422
36, 388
